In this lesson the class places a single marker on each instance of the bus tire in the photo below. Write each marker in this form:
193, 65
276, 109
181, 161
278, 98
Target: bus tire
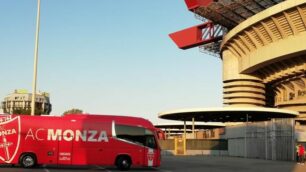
28, 160
123, 163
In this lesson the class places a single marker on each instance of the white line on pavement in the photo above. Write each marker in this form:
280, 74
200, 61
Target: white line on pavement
46, 170
158, 169
101, 168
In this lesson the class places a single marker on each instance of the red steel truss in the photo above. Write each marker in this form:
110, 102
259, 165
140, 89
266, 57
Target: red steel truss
197, 35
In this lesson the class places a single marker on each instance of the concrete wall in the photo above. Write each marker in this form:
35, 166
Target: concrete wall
207, 152
167, 144
206, 144
216, 147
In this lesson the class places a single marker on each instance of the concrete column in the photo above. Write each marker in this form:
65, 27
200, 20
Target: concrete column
193, 132
184, 129
184, 139
175, 145
240, 89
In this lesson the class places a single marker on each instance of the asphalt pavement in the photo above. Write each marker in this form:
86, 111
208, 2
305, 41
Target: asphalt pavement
183, 164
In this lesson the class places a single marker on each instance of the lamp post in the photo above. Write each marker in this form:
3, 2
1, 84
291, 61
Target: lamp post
35, 60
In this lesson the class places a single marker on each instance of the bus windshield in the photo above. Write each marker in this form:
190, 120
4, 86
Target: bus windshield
137, 135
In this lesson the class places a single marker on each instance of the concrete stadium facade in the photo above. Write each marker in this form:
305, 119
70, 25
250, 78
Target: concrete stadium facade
264, 59
264, 73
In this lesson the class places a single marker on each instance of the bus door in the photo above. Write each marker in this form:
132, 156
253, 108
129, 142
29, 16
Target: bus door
150, 152
131, 141
65, 150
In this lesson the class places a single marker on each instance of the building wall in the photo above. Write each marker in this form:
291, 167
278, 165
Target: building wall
198, 134
20, 99
264, 59
216, 147
209, 134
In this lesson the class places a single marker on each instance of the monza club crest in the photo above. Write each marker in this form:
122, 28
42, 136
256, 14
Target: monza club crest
9, 137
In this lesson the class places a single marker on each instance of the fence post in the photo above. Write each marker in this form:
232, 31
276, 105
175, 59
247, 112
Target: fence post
293, 139
266, 139
245, 137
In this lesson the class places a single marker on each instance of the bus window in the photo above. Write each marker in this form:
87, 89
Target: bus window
150, 142
150, 139
132, 134
137, 135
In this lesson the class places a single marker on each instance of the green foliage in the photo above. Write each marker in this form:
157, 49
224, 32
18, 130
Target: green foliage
73, 111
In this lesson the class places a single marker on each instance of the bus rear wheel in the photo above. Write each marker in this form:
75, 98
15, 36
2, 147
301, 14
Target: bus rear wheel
28, 160
123, 163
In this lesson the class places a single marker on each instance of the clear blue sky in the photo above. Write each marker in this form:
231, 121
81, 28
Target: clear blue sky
107, 57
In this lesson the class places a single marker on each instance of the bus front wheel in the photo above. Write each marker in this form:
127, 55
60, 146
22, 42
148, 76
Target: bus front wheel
28, 160
123, 163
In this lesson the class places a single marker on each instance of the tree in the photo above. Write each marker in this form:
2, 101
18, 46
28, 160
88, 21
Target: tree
73, 111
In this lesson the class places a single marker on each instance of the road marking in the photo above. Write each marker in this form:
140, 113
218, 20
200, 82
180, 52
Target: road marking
46, 170
102, 168
158, 169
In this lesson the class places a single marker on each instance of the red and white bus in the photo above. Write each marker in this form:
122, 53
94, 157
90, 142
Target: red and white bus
78, 139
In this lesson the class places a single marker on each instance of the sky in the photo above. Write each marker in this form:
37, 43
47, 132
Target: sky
107, 57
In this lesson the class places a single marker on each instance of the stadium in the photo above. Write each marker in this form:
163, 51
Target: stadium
261, 45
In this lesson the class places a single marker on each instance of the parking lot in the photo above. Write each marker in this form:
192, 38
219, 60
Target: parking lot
185, 163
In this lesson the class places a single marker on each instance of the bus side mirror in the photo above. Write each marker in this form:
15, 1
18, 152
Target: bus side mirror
161, 135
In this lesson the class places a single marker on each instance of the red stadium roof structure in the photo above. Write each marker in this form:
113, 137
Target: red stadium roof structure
228, 13
218, 16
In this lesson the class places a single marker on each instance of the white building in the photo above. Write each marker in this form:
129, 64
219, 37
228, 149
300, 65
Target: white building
21, 100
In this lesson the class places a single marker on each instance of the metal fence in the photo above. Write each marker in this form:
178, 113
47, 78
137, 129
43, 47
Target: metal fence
273, 140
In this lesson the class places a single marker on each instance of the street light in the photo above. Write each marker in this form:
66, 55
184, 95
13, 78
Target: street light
35, 60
